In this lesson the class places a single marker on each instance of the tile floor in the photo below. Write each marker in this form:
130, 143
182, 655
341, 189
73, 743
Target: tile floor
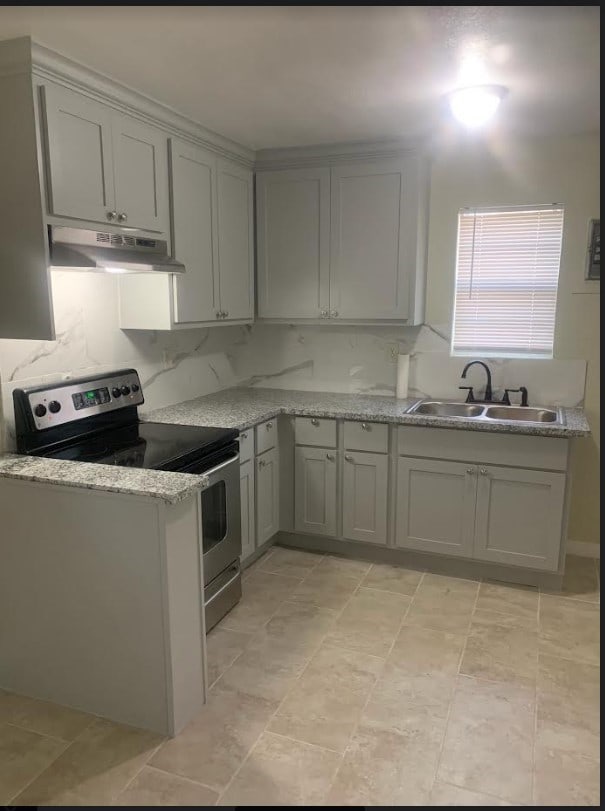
337, 682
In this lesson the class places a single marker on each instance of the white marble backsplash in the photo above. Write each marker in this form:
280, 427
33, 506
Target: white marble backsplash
176, 366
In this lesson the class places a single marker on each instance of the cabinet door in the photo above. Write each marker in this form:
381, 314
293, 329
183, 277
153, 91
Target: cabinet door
140, 155
364, 497
79, 155
193, 176
368, 274
436, 506
293, 232
246, 480
267, 495
315, 490
519, 516
235, 240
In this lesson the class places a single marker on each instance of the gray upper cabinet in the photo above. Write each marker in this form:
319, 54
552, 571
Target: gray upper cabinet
519, 516
79, 155
343, 243
103, 166
195, 243
369, 267
235, 207
293, 243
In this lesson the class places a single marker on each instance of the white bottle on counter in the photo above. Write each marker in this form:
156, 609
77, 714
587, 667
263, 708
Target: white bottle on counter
403, 371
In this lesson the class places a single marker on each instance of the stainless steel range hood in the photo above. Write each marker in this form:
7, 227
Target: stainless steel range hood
81, 249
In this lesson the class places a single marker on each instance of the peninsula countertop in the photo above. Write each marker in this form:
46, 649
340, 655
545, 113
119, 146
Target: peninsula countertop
242, 408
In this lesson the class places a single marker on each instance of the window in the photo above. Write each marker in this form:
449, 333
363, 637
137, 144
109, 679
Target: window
507, 270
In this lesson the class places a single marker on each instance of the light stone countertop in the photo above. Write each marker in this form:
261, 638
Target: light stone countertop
244, 407
165, 485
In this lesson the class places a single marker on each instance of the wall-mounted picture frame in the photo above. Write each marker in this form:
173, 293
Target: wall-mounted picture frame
593, 260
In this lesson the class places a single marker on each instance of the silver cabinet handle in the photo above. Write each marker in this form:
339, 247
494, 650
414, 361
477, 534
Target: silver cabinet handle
348, 457
122, 217
243, 436
111, 215
218, 313
269, 426
223, 314
314, 422
261, 463
330, 457
483, 471
324, 314
226, 314
365, 426
470, 471
333, 313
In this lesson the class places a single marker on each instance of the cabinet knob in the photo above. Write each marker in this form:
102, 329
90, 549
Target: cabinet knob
122, 217
330, 457
226, 314
470, 471
261, 463
334, 314
365, 426
218, 313
243, 436
111, 215
324, 314
348, 457
269, 426
314, 422
483, 471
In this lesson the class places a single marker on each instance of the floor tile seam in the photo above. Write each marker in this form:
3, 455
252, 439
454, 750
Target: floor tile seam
303, 743
575, 659
455, 687
39, 774
569, 599
54, 738
197, 783
486, 793
138, 772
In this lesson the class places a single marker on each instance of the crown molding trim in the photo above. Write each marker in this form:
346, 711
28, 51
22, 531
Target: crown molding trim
24, 54
337, 153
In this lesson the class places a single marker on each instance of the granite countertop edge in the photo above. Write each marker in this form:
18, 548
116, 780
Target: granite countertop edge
165, 485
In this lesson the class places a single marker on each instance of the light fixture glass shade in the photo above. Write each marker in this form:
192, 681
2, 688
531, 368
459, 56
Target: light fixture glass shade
475, 106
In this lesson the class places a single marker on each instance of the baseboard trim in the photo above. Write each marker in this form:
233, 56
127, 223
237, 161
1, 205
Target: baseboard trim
584, 549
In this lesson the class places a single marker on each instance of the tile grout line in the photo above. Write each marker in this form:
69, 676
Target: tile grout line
371, 690
33, 780
138, 772
451, 701
169, 774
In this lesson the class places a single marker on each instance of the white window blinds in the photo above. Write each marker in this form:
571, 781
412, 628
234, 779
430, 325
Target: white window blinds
507, 270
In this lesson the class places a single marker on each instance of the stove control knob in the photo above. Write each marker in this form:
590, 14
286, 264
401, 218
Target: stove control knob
54, 406
116, 392
125, 390
135, 387
40, 410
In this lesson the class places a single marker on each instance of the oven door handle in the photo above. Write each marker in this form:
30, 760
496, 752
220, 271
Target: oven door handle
209, 474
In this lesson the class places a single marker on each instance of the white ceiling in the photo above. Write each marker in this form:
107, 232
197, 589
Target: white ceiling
285, 76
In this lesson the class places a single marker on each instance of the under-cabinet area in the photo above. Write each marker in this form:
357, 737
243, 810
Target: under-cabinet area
482, 497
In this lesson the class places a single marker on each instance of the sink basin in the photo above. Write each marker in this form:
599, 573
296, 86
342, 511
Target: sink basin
438, 409
525, 414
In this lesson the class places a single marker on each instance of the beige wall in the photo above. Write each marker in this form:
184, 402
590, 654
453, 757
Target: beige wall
510, 172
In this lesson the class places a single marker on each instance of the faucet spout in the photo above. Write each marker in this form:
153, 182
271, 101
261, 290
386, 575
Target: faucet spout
488, 387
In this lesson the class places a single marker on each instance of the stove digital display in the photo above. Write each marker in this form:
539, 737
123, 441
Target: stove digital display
86, 399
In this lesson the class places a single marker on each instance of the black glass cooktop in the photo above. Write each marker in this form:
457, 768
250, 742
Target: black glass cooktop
152, 445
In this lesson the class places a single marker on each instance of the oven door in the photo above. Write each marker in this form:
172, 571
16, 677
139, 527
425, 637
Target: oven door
221, 518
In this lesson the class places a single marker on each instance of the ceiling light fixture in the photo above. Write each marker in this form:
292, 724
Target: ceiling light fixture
474, 106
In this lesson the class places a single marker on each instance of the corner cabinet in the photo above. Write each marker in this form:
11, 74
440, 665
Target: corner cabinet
344, 243
103, 166
213, 236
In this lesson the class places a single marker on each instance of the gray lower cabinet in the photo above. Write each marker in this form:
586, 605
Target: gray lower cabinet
436, 506
519, 516
504, 515
267, 495
315, 494
248, 511
364, 496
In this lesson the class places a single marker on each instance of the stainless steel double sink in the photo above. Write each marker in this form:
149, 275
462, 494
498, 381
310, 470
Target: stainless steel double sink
485, 411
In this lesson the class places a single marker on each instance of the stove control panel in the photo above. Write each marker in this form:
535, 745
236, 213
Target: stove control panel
61, 403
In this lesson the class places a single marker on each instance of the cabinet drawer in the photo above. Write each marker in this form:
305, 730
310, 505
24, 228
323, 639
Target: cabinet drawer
366, 436
246, 445
266, 436
315, 431
539, 452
